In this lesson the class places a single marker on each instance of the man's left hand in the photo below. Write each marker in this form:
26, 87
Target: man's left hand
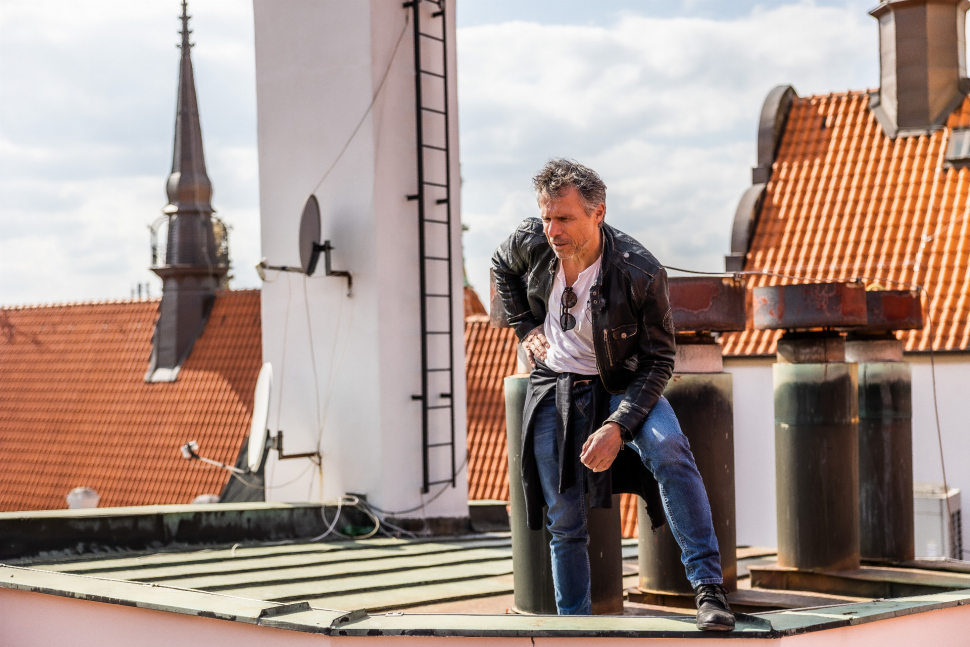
601, 448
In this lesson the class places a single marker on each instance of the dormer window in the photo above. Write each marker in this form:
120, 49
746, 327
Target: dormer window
958, 150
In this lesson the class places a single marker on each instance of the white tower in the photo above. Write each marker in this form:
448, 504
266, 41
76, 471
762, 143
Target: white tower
373, 381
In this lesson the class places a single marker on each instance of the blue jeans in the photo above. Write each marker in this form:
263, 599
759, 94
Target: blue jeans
664, 450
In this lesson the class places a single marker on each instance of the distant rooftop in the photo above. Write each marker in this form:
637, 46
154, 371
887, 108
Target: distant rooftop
75, 409
844, 201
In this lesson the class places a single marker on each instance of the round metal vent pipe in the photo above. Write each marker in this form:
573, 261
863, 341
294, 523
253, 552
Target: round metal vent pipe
816, 421
531, 561
886, 530
701, 394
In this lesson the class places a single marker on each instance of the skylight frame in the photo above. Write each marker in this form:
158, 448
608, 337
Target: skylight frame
958, 148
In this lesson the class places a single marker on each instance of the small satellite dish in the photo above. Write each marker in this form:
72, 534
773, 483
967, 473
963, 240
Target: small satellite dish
258, 431
310, 236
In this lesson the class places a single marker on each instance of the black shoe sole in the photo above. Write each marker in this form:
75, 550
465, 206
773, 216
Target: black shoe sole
711, 626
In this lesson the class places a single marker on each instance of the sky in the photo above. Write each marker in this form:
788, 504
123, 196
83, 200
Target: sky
661, 97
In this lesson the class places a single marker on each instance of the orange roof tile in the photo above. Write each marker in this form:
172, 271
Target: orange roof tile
473, 305
489, 359
846, 201
75, 409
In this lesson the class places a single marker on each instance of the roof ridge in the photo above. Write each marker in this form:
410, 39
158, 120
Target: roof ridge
844, 93
103, 302
65, 304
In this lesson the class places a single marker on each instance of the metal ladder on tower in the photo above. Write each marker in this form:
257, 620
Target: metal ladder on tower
434, 223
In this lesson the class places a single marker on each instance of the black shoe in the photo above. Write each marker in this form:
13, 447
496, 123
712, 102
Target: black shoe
713, 612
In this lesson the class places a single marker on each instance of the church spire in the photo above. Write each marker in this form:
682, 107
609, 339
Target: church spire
189, 187
192, 269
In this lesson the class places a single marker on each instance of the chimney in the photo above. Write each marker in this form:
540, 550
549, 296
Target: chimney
193, 265
922, 60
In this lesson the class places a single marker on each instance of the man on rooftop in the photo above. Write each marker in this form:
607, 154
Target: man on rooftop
589, 305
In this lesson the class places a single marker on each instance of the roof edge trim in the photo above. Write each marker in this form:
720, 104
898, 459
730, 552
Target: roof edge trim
771, 124
745, 218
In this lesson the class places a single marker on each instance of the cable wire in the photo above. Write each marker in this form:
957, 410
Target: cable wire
425, 503
313, 355
380, 86
286, 328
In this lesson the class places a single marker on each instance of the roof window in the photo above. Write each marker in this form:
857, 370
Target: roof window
958, 150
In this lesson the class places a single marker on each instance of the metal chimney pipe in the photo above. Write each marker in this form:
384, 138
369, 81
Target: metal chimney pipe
816, 422
531, 561
701, 394
922, 60
886, 529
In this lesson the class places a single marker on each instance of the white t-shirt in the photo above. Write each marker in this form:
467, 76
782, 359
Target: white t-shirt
571, 351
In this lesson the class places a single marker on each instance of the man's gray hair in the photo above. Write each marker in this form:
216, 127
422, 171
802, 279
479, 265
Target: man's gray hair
559, 173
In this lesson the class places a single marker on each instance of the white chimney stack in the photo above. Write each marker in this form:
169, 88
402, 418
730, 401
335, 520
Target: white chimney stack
373, 381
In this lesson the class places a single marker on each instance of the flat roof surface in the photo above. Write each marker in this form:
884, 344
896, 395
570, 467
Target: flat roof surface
301, 616
442, 586
378, 574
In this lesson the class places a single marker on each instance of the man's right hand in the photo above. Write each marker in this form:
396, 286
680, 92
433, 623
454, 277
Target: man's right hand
535, 345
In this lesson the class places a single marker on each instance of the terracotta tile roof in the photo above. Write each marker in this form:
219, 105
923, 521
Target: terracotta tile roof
473, 305
75, 409
489, 359
844, 201
490, 356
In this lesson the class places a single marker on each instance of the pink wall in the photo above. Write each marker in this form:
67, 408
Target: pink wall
41, 620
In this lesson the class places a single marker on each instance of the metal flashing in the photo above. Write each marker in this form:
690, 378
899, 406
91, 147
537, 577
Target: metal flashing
357, 623
27, 534
771, 126
745, 219
922, 64
774, 116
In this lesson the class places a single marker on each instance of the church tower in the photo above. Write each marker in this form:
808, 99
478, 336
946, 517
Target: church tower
194, 265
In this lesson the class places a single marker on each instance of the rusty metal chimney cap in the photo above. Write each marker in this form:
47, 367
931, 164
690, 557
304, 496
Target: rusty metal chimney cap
707, 303
892, 310
810, 305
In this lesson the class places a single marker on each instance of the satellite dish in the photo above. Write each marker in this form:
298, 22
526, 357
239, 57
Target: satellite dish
258, 430
310, 236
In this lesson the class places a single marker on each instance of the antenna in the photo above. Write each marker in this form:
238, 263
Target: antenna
310, 248
310, 236
258, 433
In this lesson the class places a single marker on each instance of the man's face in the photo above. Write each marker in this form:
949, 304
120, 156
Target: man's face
568, 228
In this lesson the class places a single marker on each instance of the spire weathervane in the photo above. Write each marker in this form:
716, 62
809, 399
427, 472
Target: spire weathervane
185, 46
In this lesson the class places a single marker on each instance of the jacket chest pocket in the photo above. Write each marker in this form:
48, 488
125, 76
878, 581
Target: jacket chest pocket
621, 343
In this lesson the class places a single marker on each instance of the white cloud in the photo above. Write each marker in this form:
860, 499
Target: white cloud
665, 109
86, 125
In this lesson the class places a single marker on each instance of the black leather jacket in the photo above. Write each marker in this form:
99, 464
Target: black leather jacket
633, 330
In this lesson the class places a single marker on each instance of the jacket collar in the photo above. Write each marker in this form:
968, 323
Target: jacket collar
609, 244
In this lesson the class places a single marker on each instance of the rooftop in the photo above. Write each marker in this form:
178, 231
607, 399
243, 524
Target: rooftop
374, 587
75, 409
845, 201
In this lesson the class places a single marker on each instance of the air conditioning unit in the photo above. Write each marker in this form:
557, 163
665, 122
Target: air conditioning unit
939, 529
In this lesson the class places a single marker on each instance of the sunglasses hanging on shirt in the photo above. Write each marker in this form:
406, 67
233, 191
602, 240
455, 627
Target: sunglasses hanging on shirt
569, 299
